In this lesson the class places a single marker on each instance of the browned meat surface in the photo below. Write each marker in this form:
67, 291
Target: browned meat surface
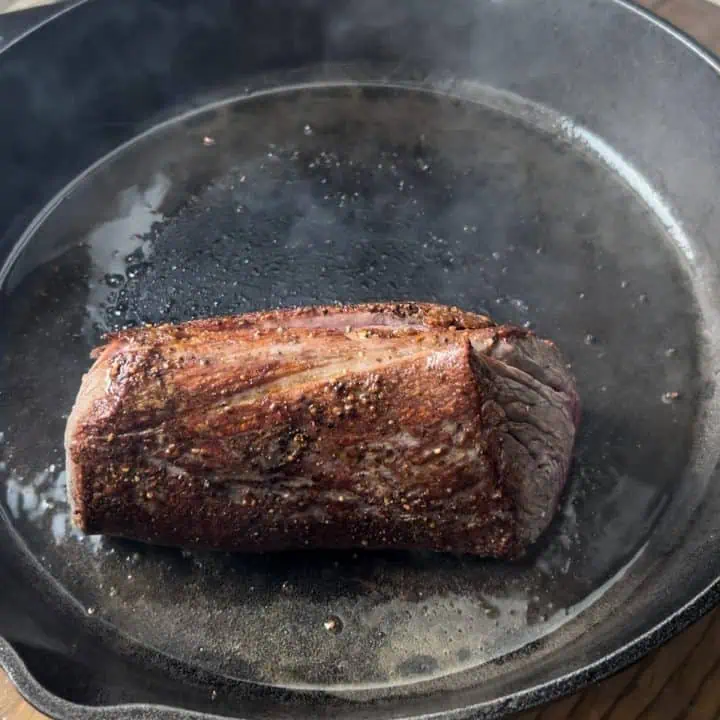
381, 426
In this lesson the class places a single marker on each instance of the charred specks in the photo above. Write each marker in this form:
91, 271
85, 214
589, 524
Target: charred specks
279, 430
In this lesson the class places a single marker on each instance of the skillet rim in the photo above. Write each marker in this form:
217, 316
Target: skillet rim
692, 611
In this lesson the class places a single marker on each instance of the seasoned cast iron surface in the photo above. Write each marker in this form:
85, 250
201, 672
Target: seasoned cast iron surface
326, 195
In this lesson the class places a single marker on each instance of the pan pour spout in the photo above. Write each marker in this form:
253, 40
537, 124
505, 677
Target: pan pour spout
403, 426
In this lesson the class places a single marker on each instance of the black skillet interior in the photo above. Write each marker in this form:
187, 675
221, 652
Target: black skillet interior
549, 162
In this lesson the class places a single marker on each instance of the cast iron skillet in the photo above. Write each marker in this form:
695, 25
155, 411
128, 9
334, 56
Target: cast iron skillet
554, 162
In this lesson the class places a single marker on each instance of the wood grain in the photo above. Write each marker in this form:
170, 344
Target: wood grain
680, 681
697, 17
670, 684
12, 705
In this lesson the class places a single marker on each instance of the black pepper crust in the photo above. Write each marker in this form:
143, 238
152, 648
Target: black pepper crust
401, 425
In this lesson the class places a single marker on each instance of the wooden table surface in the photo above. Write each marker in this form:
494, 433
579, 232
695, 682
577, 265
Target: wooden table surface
680, 681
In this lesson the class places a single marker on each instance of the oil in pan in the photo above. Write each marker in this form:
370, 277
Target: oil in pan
322, 194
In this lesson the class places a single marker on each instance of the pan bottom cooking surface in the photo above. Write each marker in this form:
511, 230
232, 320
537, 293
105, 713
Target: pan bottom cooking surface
321, 194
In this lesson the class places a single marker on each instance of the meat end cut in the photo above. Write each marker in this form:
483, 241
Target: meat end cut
403, 426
